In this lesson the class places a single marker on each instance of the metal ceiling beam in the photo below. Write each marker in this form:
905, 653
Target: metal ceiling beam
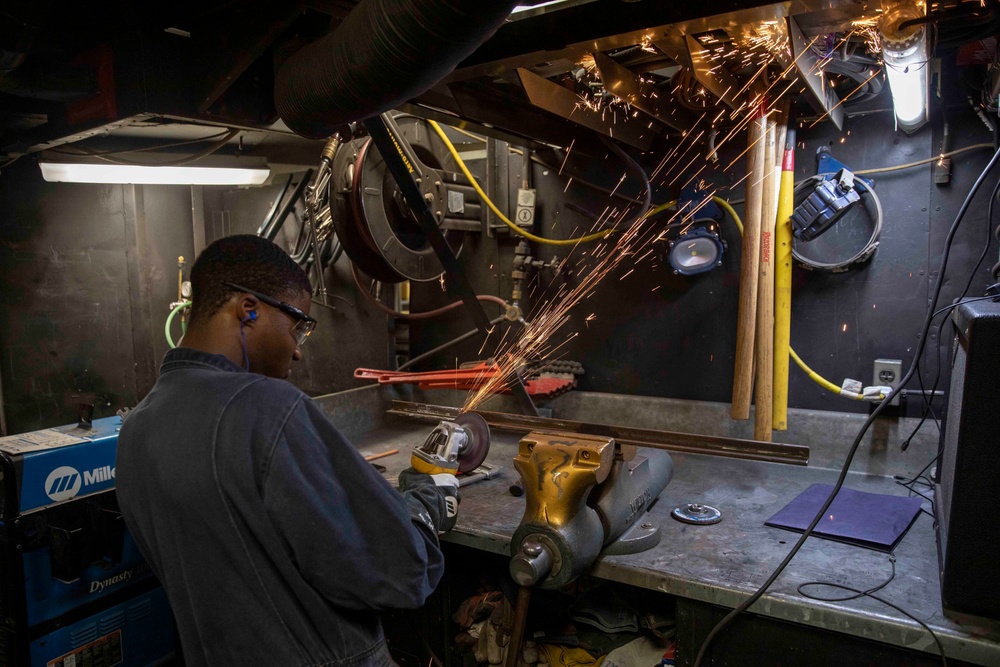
571, 33
713, 76
565, 103
820, 94
620, 81
228, 51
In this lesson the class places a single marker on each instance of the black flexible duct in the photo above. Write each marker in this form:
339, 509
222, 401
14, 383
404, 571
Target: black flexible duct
384, 53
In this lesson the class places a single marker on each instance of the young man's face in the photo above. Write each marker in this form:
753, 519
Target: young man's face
275, 346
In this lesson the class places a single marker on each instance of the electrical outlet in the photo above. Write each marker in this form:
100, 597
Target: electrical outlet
888, 373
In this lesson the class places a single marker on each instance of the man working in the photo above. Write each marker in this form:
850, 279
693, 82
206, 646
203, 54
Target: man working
277, 544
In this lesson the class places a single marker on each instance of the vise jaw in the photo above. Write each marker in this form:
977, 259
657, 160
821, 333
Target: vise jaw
583, 495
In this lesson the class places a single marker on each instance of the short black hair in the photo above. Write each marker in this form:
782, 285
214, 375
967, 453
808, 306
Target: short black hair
247, 260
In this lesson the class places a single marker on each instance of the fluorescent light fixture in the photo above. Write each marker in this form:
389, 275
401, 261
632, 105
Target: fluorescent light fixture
527, 8
905, 54
255, 172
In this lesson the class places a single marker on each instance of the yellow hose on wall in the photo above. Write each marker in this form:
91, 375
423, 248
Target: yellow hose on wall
496, 211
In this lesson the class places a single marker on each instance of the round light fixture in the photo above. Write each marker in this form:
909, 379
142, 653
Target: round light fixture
696, 251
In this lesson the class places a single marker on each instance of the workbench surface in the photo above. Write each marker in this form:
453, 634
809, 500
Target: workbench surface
723, 563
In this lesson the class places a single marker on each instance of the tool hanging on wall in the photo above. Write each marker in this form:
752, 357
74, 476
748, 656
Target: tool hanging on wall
838, 218
747, 315
764, 337
783, 281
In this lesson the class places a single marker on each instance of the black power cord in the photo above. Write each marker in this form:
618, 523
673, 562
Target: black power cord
928, 399
921, 345
854, 596
869, 593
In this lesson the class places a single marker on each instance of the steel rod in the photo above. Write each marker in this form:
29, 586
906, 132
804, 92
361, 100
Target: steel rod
671, 441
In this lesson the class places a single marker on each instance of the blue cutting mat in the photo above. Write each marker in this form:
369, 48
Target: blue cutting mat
872, 520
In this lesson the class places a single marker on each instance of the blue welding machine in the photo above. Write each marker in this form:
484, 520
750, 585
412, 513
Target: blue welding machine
74, 589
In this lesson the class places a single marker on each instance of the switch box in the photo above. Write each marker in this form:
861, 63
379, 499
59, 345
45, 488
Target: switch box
525, 216
888, 373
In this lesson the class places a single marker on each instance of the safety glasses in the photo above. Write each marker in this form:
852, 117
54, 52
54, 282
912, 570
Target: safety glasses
304, 325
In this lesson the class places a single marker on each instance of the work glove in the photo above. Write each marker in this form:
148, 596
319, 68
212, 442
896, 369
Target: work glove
433, 499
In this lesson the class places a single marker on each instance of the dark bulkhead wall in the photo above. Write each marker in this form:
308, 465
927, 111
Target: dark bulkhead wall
87, 273
653, 333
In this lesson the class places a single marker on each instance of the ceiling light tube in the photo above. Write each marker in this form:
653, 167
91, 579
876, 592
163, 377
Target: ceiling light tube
905, 54
67, 172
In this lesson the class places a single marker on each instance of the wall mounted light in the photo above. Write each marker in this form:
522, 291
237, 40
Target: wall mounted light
208, 171
697, 250
905, 54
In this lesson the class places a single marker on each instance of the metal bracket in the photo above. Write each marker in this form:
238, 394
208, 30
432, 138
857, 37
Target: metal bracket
820, 94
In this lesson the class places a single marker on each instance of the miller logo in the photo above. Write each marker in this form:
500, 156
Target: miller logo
65, 482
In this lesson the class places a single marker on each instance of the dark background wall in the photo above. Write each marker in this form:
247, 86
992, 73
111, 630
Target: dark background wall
660, 334
87, 273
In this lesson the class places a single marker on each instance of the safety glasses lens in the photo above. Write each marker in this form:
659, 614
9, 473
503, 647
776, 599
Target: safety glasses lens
302, 329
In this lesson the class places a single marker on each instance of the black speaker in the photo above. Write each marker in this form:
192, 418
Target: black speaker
967, 497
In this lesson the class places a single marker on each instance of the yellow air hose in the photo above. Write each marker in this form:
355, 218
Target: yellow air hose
493, 207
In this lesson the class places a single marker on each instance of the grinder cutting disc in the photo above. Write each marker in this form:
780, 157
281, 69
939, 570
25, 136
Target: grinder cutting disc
474, 453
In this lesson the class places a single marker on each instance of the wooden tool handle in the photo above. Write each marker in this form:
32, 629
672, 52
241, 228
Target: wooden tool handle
764, 341
747, 314
381, 455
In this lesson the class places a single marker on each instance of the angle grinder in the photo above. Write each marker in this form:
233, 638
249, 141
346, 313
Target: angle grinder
455, 447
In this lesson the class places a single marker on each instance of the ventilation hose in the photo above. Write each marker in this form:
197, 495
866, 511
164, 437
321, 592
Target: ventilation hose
384, 53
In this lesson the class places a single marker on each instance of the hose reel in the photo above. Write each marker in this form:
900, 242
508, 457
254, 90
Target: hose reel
374, 223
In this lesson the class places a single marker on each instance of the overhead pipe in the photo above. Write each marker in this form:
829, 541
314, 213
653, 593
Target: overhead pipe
384, 53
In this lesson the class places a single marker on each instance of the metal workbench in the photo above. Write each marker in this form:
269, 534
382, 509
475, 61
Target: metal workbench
721, 564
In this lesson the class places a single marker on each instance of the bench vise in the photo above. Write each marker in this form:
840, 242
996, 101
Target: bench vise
585, 495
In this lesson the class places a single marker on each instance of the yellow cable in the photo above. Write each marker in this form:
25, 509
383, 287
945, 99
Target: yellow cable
821, 381
876, 170
496, 211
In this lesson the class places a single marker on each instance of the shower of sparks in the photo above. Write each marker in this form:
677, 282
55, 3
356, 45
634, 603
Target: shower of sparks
543, 336
568, 151
536, 339
593, 94
868, 28
761, 42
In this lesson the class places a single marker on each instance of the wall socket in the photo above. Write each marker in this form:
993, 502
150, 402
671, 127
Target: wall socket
888, 373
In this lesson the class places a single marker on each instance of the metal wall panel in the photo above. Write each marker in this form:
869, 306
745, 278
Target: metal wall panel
657, 334
66, 321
